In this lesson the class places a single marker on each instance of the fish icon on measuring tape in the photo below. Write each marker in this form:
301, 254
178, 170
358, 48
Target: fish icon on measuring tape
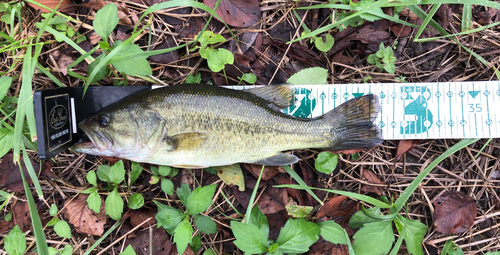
417, 117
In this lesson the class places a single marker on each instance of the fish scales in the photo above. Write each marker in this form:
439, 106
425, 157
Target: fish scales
201, 125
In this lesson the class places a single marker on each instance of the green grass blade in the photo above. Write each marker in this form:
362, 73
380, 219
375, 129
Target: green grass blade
41, 242
303, 184
24, 99
416, 182
68, 41
48, 74
427, 19
252, 197
467, 17
110, 230
32, 173
357, 196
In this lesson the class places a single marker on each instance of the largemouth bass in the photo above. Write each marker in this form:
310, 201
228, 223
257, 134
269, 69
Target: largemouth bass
201, 125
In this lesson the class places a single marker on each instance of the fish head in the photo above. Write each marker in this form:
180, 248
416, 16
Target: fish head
112, 133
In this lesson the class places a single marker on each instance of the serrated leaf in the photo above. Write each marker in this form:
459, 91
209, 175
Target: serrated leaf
92, 178
326, 162
117, 173
359, 218
103, 173
200, 199
135, 172
333, 232
183, 234
183, 193
326, 45
205, 224
94, 201
168, 217
135, 201
231, 175
15, 242
106, 20
374, 238
414, 234
297, 236
258, 219
218, 59
249, 238
53, 210
190, 79
114, 205
167, 186
313, 75
132, 65
62, 229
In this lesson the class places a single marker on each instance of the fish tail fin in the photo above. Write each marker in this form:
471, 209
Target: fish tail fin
353, 124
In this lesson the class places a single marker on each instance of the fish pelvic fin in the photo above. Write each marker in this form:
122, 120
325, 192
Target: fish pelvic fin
280, 95
278, 160
186, 141
353, 124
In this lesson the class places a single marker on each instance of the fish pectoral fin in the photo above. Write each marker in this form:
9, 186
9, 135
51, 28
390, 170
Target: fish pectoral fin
278, 160
186, 141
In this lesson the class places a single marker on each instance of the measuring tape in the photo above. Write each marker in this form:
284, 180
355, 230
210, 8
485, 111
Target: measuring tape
413, 110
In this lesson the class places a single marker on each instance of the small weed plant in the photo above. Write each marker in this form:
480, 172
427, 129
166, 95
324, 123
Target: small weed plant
384, 59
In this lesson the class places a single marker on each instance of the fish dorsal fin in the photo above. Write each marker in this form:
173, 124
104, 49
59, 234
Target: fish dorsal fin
186, 141
278, 160
279, 95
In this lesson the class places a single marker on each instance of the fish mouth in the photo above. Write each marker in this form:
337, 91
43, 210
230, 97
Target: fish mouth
98, 144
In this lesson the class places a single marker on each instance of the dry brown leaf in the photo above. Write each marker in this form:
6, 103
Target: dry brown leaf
330, 206
62, 61
269, 171
324, 247
371, 178
237, 13
141, 243
126, 15
20, 216
51, 4
405, 146
454, 212
137, 217
400, 30
85, 220
10, 176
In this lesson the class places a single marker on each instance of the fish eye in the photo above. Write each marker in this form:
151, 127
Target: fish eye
103, 120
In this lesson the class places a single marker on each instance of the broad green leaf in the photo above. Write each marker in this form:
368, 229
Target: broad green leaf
117, 173
297, 236
190, 79
131, 66
390, 68
15, 242
52, 222
53, 210
200, 199
208, 252
231, 175
183, 193
258, 219
183, 234
326, 162
333, 232
374, 238
313, 75
94, 201
205, 224
249, 78
173, 172
154, 179
103, 173
114, 205
414, 234
249, 238
205, 51
53, 251
128, 251
168, 217
68, 250
492, 253
359, 218
195, 243
135, 172
167, 186
326, 45
102, 72
8, 217
5, 82
217, 59
164, 170
154, 170
135, 201
92, 178
62, 229
208, 37
106, 20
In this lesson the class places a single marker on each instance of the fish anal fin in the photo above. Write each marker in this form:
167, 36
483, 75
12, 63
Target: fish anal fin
279, 95
279, 159
186, 141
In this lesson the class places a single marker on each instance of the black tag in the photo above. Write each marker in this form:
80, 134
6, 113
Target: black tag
58, 112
